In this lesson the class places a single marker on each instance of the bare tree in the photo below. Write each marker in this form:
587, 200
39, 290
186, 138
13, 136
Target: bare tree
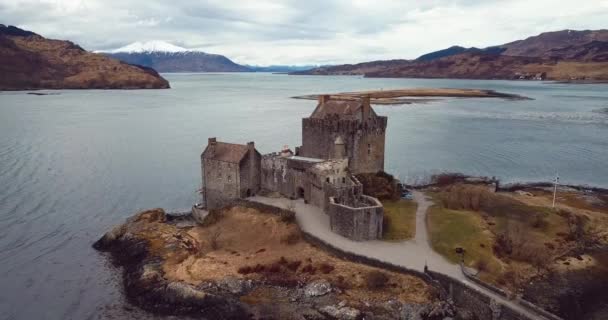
214, 238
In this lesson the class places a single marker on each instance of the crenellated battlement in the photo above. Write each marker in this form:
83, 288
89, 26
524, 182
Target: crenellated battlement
334, 123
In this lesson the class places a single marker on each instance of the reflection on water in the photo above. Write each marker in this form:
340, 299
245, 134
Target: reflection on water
74, 164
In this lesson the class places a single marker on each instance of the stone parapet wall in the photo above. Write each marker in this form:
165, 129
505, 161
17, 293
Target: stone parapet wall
286, 215
356, 222
337, 124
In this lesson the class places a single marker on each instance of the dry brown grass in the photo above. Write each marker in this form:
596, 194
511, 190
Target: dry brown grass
245, 232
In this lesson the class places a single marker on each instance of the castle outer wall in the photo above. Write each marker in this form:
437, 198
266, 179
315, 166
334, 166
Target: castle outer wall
229, 171
221, 182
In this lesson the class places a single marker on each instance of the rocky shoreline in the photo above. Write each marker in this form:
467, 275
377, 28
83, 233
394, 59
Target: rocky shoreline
147, 285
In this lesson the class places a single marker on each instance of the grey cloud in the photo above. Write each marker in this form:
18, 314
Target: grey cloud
301, 32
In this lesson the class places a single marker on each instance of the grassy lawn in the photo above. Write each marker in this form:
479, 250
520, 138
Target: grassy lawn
553, 224
449, 229
401, 216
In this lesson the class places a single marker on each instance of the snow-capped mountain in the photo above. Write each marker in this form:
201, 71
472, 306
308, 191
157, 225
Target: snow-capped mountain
167, 57
150, 46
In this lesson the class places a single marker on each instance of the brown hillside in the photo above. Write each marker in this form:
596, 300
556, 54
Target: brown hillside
560, 55
30, 61
540, 45
482, 66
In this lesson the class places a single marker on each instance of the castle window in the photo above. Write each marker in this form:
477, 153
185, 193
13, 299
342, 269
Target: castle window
343, 180
369, 149
327, 179
229, 178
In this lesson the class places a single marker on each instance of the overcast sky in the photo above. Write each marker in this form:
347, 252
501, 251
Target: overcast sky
267, 32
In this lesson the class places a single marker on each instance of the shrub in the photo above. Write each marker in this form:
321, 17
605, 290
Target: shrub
481, 265
288, 217
213, 217
539, 221
466, 197
214, 237
294, 265
245, 270
342, 283
274, 268
292, 237
376, 279
510, 278
326, 268
258, 268
380, 185
309, 269
447, 178
503, 245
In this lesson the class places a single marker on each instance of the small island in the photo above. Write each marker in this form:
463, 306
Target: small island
325, 233
418, 95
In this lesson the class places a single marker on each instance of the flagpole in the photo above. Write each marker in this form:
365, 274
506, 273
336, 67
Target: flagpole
556, 181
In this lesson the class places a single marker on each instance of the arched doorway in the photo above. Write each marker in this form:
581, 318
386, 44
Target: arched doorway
300, 192
248, 193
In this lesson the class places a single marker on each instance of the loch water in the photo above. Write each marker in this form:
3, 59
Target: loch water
76, 162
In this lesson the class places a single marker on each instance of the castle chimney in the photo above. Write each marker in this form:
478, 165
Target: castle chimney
211, 143
324, 98
339, 148
252, 165
365, 107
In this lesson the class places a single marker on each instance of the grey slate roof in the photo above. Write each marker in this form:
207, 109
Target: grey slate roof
228, 152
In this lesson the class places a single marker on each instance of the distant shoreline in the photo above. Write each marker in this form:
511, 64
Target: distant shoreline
581, 81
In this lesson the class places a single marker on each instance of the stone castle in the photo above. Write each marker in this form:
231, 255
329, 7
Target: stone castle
340, 139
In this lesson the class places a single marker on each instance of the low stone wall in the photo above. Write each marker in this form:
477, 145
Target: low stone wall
539, 310
488, 286
474, 301
504, 294
357, 223
286, 215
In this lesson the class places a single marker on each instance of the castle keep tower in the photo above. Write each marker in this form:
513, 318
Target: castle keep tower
359, 131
